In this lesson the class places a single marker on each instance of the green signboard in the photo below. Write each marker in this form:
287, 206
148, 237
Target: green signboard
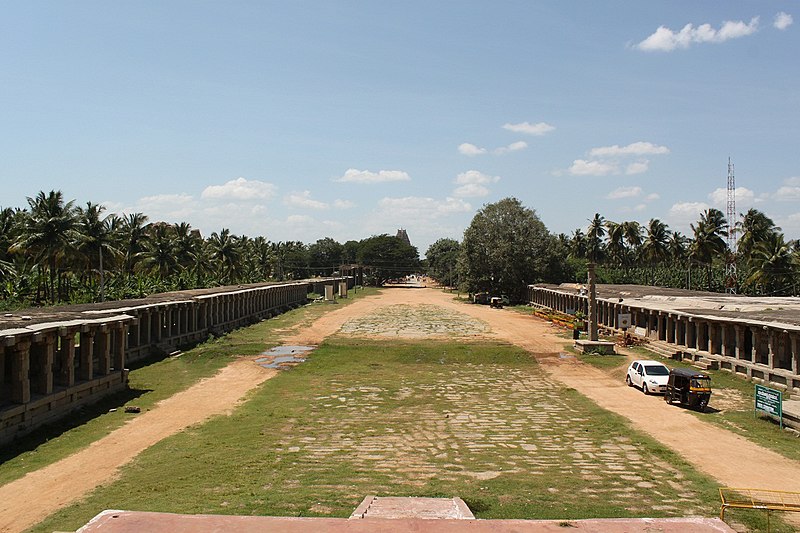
770, 401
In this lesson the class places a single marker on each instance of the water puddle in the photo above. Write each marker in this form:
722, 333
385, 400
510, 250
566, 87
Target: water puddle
284, 356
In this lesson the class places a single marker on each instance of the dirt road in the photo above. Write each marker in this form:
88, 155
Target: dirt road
730, 459
26, 501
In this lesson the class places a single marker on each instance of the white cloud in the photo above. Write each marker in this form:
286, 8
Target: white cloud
240, 189
540, 128
472, 184
475, 176
416, 207
513, 147
299, 219
637, 148
624, 192
581, 167
652, 196
343, 204
682, 214
787, 193
470, 149
640, 207
303, 200
666, 40
783, 20
353, 175
790, 225
638, 167
744, 197
471, 190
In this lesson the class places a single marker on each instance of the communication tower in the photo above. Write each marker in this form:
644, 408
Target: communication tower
730, 258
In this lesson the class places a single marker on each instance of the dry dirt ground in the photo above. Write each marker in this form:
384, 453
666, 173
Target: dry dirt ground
731, 460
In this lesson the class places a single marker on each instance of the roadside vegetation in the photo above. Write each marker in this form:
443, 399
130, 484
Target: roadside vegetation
434, 418
506, 247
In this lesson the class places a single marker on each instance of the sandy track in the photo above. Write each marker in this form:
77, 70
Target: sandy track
26, 501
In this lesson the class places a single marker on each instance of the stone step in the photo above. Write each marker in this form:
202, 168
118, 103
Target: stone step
405, 508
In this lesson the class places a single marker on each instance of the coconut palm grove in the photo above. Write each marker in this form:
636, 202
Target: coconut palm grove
57, 250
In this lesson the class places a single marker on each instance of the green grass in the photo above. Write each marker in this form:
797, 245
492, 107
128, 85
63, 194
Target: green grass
150, 382
436, 419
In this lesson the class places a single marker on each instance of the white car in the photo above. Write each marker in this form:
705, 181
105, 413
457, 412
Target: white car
650, 376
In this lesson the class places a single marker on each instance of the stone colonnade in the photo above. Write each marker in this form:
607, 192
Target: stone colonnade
764, 351
49, 369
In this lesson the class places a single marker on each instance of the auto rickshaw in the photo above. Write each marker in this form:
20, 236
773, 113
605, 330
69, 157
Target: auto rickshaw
689, 387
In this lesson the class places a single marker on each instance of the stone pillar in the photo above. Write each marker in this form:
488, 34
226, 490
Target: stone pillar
795, 357
20, 372
103, 349
592, 304
713, 337
770, 347
41, 351
86, 355
66, 354
691, 334
671, 329
118, 360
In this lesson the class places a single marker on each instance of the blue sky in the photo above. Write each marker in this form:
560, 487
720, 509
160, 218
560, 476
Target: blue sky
307, 119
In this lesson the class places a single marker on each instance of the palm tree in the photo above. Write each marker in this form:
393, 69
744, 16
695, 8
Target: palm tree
94, 236
187, 244
633, 238
676, 246
594, 238
655, 248
577, 244
615, 246
48, 232
708, 242
754, 227
133, 233
159, 255
225, 253
772, 261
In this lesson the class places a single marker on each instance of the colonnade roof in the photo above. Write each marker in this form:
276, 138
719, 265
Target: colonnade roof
762, 309
104, 310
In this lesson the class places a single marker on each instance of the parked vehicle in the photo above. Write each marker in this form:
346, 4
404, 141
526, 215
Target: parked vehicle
496, 302
650, 376
689, 387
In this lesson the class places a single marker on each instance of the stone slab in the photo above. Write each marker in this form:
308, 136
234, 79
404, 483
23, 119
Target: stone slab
601, 347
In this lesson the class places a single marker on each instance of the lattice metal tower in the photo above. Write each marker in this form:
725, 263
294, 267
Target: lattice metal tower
730, 259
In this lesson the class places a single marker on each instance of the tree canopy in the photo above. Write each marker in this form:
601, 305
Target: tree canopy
505, 248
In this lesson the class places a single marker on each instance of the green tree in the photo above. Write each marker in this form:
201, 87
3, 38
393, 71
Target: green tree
96, 240
505, 248
772, 266
386, 257
754, 227
594, 239
442, 258
48, 233
708, 243
325, 256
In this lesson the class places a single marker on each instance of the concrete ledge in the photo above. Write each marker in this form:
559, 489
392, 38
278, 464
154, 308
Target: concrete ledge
136, 522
